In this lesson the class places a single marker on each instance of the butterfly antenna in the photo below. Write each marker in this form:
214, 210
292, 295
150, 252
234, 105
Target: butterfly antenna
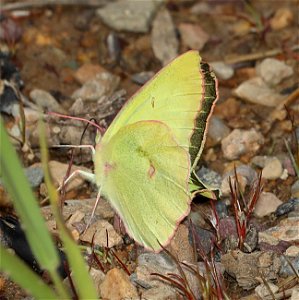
83, 133
101, 129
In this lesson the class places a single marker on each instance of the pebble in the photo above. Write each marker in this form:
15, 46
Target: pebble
203, 239
292, 251
246, 176
251, 240
222, 70
202, 268
103, 84
87, 72
287, 207
34, 136
46, 100
287, 230
287, 164
163, 264
75, 224
272, 167
160, 293
286, 270
180, 246
241, 28
228, 109
221, 209
266, 204
241, 141
225, 186
78, 108
247, 268
100, 230
209, 178
263, 290
71, 135
295, 189
228, 228
295, 293
117, 285
58, 171
273, 71
15, 131
283, 17
256, 91
97, 277
217, 131
35, 176
164, 38
142, 77
31, 116
132, 16
149, 263
193, 36
103, 210
200, 8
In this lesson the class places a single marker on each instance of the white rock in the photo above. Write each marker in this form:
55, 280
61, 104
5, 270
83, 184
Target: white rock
262, 290
99, 230
164, 40
273, 71
97, 278
193, 36
217, 130
31, 116
223, 71
295, 293
58, 171
266, 204
201, 8
255, 90
45, 100
246, 176
240, 142
129, 15
273, 169
103, 84
292, 251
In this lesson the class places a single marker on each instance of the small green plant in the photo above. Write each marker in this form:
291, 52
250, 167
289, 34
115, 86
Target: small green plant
37, 234
243, 208
293, 147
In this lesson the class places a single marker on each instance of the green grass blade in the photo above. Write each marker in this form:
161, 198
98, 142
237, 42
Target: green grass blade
17, 186
19, 272
81, 278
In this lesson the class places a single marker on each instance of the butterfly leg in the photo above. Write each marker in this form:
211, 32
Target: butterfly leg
88, 176
93, 210
76, 146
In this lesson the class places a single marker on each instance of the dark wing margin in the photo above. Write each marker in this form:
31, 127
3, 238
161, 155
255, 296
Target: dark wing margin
209, 98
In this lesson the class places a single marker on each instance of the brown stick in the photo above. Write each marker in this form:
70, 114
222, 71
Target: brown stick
41, 3
256, 56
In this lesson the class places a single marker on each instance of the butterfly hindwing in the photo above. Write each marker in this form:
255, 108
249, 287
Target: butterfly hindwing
144, 173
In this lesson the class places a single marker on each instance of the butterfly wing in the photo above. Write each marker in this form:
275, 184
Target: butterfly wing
181, 96
144, 173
